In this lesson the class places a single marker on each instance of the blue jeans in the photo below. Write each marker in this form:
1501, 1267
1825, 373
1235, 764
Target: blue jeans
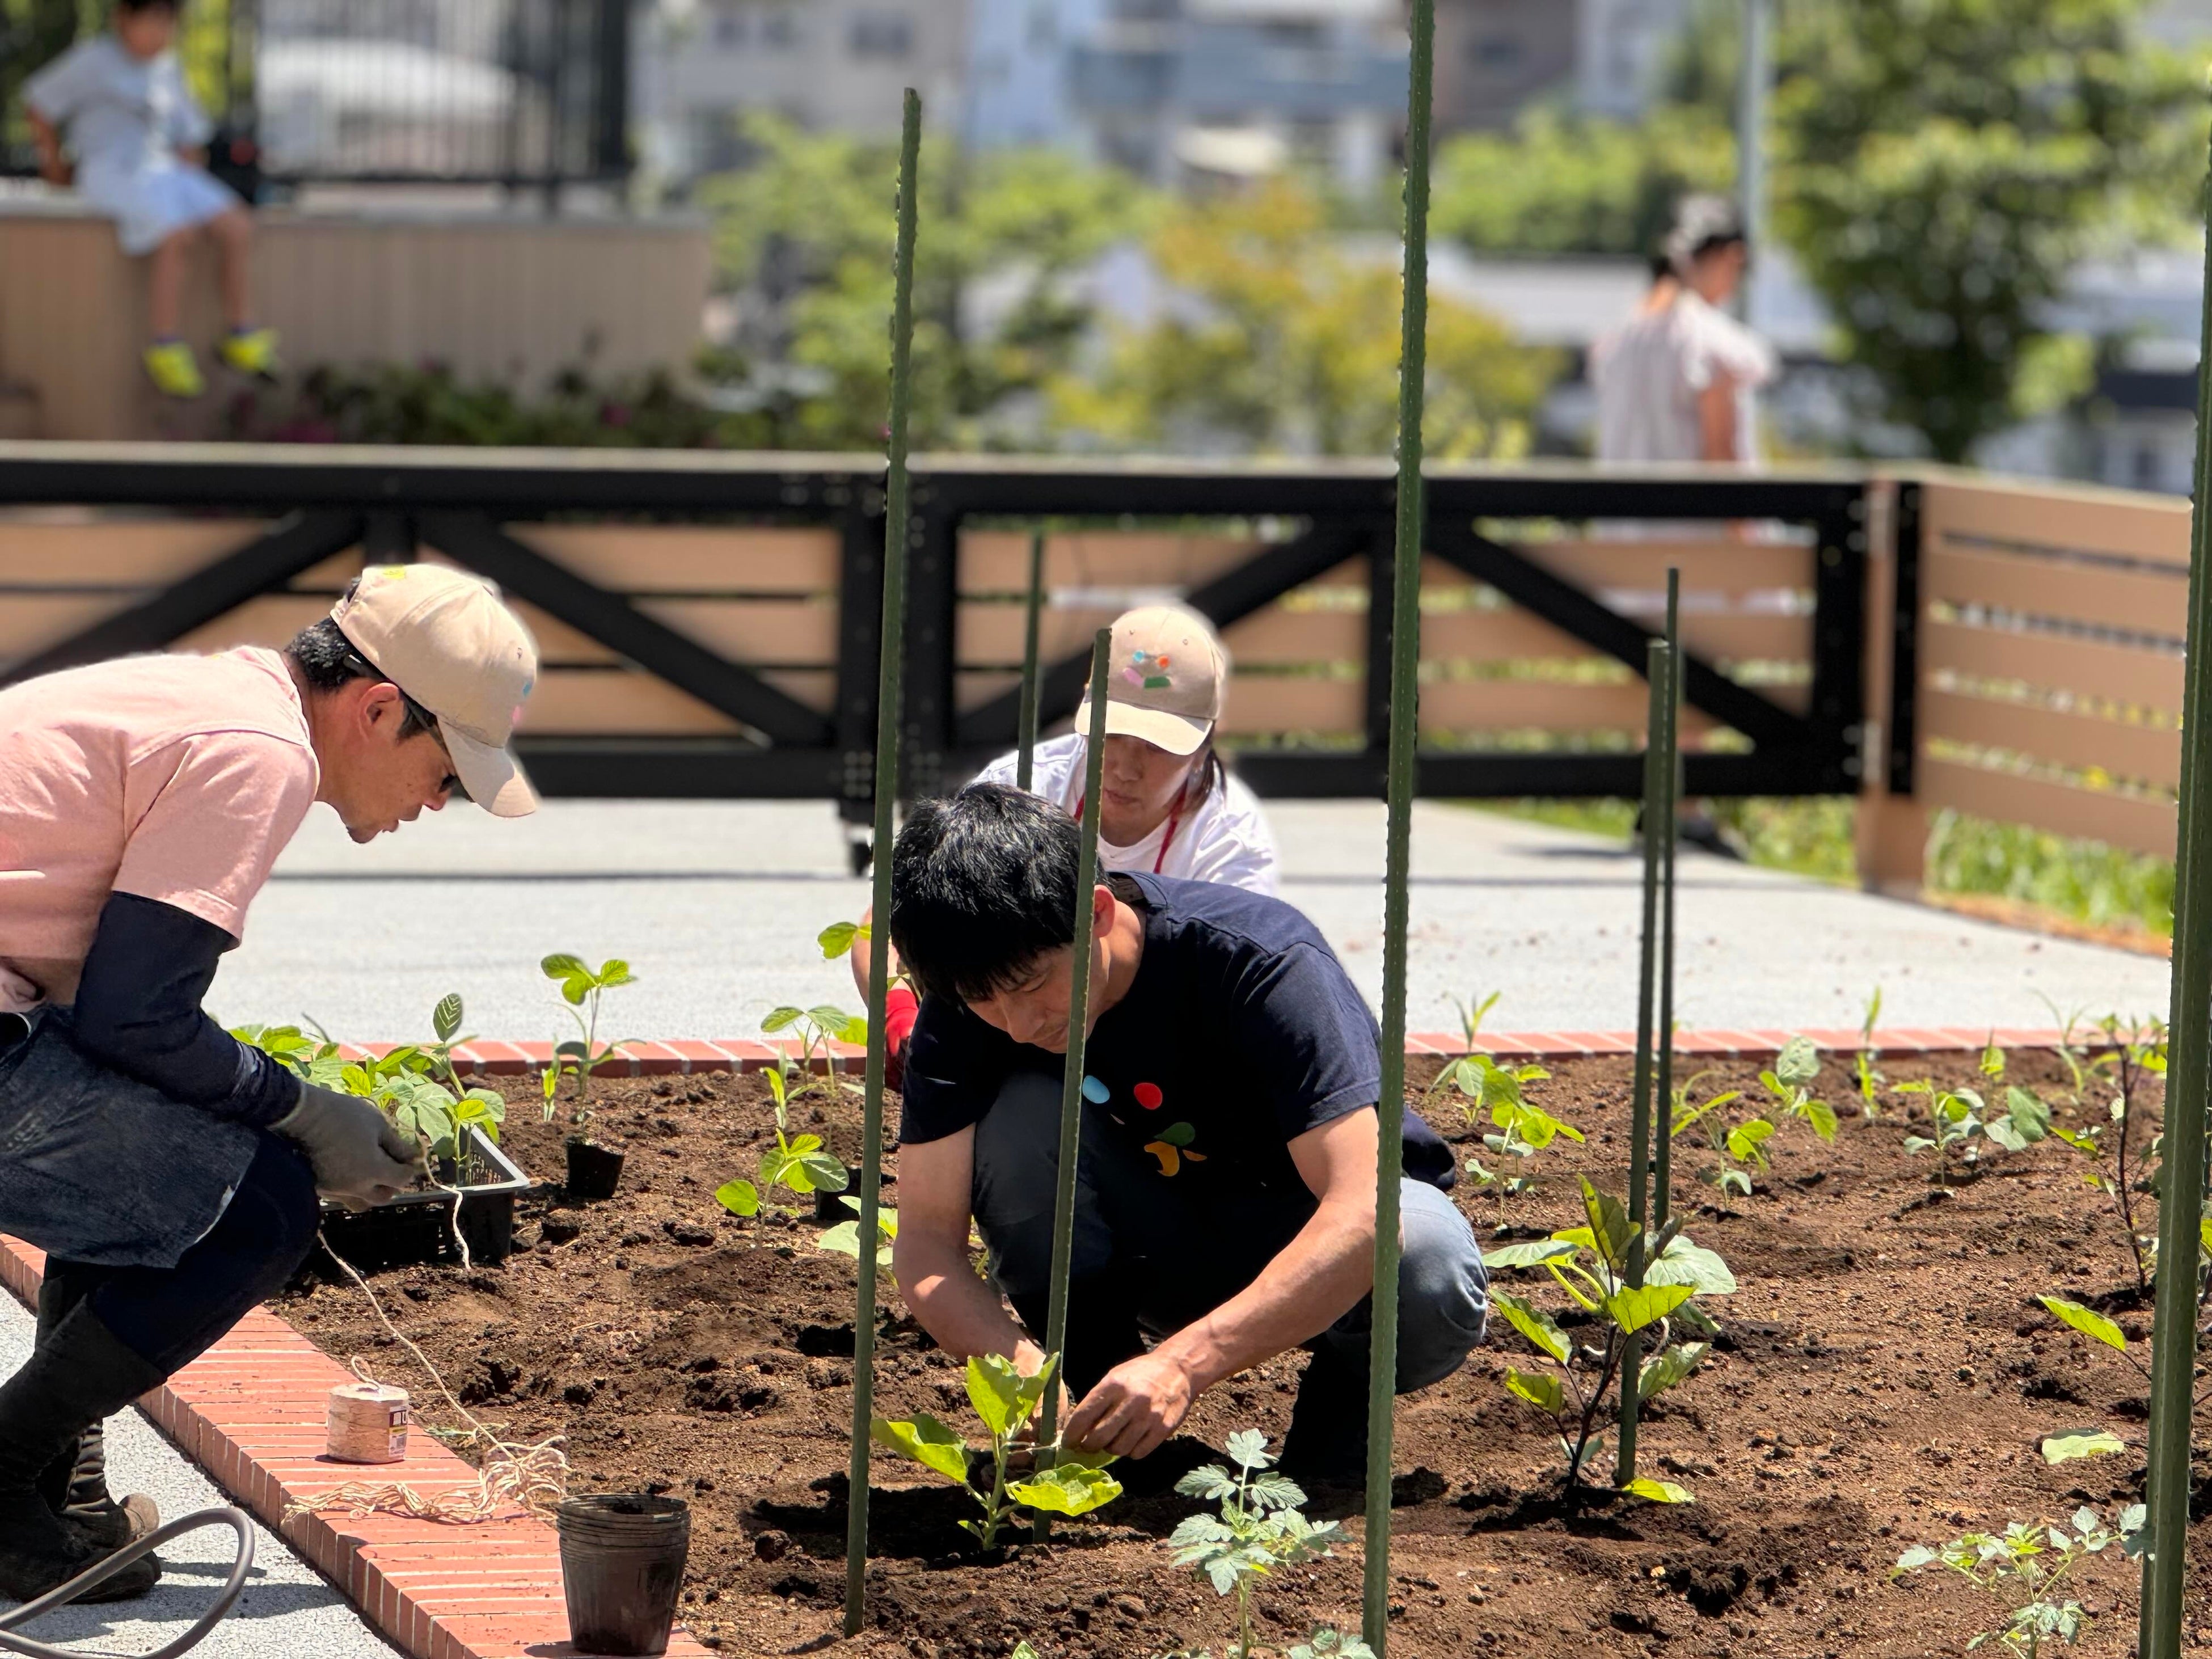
1148, 1261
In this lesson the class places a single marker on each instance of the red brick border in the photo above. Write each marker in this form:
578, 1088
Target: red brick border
250, 1411
683, 1055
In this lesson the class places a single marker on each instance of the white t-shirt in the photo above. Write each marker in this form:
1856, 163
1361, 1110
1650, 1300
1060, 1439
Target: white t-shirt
1225, 839
1650, 372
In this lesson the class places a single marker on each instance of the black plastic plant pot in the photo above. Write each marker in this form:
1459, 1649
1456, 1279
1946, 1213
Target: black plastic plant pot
594, 1169
831, 1206
420, 1226
621, 1565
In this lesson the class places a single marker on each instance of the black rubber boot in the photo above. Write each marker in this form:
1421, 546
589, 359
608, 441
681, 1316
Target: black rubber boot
1326, 1444
76, 1376
75, 1485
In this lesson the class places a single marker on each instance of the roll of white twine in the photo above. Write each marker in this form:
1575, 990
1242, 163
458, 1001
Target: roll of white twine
368, 1423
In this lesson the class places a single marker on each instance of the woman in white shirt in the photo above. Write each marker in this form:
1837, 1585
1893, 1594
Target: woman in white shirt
1167, 804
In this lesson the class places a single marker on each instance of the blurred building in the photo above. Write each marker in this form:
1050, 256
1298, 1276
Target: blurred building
1494, 57
827, 65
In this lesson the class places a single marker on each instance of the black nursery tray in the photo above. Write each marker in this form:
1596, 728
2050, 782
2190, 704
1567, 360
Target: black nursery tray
419, 1226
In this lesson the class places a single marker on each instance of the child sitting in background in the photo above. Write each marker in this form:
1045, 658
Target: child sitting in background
120, 102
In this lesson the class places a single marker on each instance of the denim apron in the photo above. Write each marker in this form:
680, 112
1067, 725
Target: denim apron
98, 1168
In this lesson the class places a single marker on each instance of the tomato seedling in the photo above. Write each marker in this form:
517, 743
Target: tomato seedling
2025, 1566
1579, 1393
582, 990
1262, 1527
1065, 1482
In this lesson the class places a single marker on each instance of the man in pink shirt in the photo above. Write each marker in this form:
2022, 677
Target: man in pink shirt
170, 1172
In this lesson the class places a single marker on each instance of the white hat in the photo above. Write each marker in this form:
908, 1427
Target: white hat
443, 637
1166, 676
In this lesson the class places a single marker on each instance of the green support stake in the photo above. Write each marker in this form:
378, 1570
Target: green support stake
1025, 754
1670, 762
890, 660
2173, 1327
1405, 713
1658, 678
1079, 1033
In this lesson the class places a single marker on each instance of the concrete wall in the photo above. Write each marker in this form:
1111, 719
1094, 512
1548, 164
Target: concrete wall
502, 298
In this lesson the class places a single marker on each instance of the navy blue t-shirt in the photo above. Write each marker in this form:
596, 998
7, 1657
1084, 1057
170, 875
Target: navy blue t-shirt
1240, 1033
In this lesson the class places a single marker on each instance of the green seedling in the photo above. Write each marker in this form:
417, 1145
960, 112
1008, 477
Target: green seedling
2025, 1568
1795, 1070
838, 938
798, 1163
1957, 1115
1579, 1393
1869, 1078
1471, 1014
1522, 1130
1737, 1150
815, 1028
1262, 1527
2136, 1052
582, 990
1065, 1482
844, 1238
1329, 1643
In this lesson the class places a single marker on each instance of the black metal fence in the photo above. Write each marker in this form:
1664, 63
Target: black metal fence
527, 94
461, 502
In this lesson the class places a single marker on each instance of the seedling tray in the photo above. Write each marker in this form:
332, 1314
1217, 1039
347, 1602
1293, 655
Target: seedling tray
419, 1226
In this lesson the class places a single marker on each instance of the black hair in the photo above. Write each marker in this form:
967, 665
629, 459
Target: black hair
328, 659
982, 885
132, 8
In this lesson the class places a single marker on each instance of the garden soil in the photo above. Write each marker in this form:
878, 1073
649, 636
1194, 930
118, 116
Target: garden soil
1883, 1379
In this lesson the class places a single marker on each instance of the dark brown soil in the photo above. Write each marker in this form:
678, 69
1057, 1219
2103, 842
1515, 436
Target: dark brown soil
1883, 1379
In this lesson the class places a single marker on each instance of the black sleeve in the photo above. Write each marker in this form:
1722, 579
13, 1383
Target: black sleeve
955, 1066
138, 1010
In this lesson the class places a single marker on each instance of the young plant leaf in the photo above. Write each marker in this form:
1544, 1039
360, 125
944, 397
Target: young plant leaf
1798, 1064
1821, 1117
2065, 1447
1533, 1254
1610, 1228
1632, 1310
927, 1441
1248, 1449
562, 965
1532, 1322
1540, 1389
1659, 1491
1684, 1263
743, 1198
445, 1017
996, 1389
1663, 1371
836, 940
778, 1018
2087, 1321
1745, 1141
1067, 1489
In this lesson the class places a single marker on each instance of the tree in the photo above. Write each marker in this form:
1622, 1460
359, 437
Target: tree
1943, 165
804, 234
1279, 339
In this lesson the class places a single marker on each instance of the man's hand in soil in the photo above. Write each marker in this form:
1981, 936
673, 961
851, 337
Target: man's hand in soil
359, 1156
1135, 1406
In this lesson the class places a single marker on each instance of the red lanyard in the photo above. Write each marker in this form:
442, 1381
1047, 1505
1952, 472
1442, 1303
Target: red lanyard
1175, 822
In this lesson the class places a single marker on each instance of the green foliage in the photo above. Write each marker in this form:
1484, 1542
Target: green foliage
838, 938
1261, 1527
1522, 1130
2086, 880
816, 1028
1943, 165
2135, 1051
1327, 1642
1866, 1073
415, 1084
1737, 1149
1578, 1394
798, 1163
582, 989
1293, 347
1957, 1115
844, 1238
2025, 1569
1790, 1083
1064, 1482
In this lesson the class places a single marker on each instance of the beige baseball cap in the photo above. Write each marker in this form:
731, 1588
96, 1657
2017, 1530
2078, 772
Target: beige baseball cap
1165, 679
443, 637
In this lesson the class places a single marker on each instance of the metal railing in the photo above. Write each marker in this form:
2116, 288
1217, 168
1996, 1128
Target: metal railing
527, 94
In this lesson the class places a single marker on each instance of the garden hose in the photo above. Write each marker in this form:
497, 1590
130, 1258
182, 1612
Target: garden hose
235, 1519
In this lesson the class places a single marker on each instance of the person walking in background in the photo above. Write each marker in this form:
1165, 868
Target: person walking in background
113, 116
1169, 806
1679, 381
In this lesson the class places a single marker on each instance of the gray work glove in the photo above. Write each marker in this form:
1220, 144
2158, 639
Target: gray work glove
359, 1156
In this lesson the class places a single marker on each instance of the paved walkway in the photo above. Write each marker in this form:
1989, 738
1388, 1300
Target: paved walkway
288, 1609
716, 905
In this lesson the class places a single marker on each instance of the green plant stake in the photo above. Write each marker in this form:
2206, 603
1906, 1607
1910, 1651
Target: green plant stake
1025, 754
890, 661
2174, 1326
1078, 1033
1405, 736
1670, 767
1656, 676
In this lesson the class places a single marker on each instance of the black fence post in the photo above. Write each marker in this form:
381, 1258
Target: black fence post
1902, 738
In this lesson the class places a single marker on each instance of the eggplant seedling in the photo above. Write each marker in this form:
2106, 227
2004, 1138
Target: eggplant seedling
1579, 1393
2025, 1568
1065, 1482
583, 990
1262, 1527
798, 1163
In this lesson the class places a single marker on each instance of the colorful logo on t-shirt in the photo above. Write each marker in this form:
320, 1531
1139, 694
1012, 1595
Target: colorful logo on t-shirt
1148, 670
1148, 1096
1173, 1148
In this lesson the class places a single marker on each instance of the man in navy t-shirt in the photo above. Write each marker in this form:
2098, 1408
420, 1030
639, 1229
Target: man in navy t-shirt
1225, 1188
